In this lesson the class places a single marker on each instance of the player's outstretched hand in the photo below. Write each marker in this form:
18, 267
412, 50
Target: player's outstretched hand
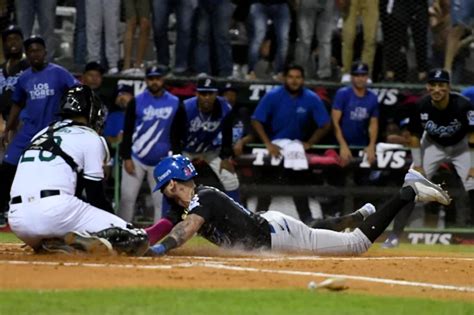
129, 166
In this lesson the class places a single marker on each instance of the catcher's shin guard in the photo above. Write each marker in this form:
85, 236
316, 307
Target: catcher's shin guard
132, 242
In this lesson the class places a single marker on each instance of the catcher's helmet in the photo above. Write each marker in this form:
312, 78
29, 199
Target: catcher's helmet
80, 100
175, 167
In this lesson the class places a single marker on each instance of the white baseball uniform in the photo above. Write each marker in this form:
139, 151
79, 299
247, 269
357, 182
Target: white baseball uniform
35, 213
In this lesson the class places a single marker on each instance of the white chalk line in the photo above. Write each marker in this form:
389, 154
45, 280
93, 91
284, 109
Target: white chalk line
217, 265
311, 258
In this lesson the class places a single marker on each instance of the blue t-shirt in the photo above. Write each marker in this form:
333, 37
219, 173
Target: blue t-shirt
288, 117
356, 114
42, 91
203, 129
114, 124
154, 117
469, 93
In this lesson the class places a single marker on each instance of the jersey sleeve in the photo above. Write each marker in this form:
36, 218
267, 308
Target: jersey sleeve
94, 159
264, 109
320, 114
201, 204
68, 79
338, 102
19, 94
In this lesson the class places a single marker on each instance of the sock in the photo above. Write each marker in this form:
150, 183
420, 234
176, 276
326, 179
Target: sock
401, 219
302, 207
339, 223
375, 224
234, 194
159, 230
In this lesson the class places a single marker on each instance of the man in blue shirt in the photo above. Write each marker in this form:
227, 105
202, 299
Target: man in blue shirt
146, 140
113, 128
288, 112
355, 112
37, 95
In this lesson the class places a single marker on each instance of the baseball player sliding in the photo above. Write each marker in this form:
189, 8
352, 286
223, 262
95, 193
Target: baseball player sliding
44, 209
224, 222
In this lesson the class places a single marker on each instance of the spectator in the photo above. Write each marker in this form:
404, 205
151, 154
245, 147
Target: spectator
355, 112
396, 17
240, 118
136, 12
146, 140
80, 35
462, 14
315, 16
37, 95
368, 11
10, 71
207, 115
260, 12
287, 113
114, 124
93, 75
102, 19
214, 20
45, 10
185, 10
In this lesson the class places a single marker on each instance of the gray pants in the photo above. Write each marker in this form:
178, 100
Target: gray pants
290, 234
433, 155
315, 16
131, 186
103, 18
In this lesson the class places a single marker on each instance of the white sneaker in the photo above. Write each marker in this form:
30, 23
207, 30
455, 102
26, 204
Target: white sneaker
366, 210
346, 78
425, 190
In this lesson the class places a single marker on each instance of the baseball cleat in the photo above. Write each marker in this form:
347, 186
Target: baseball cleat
88, 243
55, 246
391, 241
367, 210
425, 190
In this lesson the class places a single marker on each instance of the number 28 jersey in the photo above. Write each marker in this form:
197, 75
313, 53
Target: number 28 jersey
42, 170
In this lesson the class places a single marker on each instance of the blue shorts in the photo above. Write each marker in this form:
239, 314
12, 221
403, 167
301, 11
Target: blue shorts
462, 12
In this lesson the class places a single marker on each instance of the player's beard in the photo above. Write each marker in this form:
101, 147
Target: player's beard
155, 89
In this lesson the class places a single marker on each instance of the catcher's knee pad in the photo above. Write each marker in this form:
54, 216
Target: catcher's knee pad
133, 242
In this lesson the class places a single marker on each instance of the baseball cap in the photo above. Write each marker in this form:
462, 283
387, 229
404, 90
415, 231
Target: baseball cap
229, 87
125, 88
34, 39
439, 75
11, 29
206, 84
359, 68
153, 72
94, 66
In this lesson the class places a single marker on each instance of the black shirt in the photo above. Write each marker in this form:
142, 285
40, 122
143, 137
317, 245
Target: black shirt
445, 127
7, 83
227, 223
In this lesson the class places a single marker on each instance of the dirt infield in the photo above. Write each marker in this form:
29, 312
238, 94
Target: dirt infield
421, 275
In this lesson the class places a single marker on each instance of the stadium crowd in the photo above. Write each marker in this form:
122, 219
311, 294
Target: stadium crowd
300, 39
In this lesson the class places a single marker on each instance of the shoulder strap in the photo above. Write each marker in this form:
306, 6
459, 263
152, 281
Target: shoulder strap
45, 142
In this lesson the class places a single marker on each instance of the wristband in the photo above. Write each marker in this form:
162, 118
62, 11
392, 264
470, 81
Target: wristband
416, 157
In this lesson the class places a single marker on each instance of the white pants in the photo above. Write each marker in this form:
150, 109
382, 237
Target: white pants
55, 216
130, 188
459, 154
230, 181
292, 235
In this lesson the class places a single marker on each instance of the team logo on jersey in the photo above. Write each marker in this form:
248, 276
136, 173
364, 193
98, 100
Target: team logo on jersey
151, 112
194, 203
301, 110
443, 131
359, 114
41, 91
